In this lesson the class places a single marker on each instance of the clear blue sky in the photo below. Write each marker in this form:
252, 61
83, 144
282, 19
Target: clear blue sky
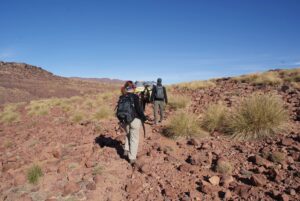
177, 40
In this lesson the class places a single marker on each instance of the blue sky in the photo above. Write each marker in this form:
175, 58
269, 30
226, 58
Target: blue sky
177, 40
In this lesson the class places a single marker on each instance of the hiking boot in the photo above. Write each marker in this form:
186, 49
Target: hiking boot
132, 162
125, 154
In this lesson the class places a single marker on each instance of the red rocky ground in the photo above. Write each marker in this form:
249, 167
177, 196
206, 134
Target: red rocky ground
84, 161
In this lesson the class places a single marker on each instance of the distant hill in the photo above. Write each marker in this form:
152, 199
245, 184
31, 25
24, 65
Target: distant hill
23, 82
101, 80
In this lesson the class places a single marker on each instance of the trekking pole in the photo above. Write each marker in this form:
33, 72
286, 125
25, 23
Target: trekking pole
144, 130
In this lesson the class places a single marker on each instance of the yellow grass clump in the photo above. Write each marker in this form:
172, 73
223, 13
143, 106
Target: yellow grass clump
183, 124
9, 113
214, 117
257, 116
178, 101
196, 84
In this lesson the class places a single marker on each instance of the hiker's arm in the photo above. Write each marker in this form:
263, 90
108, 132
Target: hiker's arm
152, 94
166, 97
138, 109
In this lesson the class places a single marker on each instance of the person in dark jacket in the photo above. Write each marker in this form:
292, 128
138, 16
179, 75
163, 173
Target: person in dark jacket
159, 98
133, 128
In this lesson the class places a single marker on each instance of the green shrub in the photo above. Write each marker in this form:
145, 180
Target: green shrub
257, 116
34, 173
185, 125
178, 101
214, 117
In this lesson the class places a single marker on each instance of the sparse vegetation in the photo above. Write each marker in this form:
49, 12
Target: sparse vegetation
258, 116
39, 107
184, 125
98, 170
10, 114
77, 117
196, 84
224, 167
214, 117
266, 78
178, 101
277, 157
103, 113
34, 173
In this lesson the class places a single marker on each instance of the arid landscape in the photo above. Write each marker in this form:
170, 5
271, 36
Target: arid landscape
235, 138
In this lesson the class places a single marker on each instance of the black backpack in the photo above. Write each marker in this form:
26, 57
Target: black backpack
159, 93
125, 109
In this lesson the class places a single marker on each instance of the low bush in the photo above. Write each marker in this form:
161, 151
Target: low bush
183, 124
34, 173
214, 117
257, 116
178, 101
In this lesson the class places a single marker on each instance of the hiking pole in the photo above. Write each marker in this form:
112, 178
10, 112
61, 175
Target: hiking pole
144, 130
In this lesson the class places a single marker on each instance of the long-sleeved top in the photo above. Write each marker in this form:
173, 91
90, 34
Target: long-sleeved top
153, 98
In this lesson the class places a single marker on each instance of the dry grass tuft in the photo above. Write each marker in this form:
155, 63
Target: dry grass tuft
267, 78
214, 117
103, 112
277, 157
224, 167
196, 84
178, 101
183, 124
10, 114
258, 116
39, 107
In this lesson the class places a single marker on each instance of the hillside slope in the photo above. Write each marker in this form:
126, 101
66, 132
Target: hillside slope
22, 82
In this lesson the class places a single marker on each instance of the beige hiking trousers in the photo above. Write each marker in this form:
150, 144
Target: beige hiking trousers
132, 138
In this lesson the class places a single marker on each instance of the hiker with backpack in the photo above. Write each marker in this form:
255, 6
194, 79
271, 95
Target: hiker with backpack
145, 97
131, 117
159, 98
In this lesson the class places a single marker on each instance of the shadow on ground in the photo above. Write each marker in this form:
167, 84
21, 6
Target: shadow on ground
105, 141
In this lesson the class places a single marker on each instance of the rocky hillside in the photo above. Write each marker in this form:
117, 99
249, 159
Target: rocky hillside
22, 82
50, 156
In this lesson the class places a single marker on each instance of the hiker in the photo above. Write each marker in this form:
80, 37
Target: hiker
159, 98
131, 116
127, 83
145, 97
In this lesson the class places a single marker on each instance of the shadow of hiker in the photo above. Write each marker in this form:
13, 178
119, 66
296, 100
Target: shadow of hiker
104, 141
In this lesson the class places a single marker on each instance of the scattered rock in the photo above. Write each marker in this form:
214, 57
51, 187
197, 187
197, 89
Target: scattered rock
70, 188
261, 161
91, 186
284, 197
287, 141
194, 142
226, 180
258, 180
214, 180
